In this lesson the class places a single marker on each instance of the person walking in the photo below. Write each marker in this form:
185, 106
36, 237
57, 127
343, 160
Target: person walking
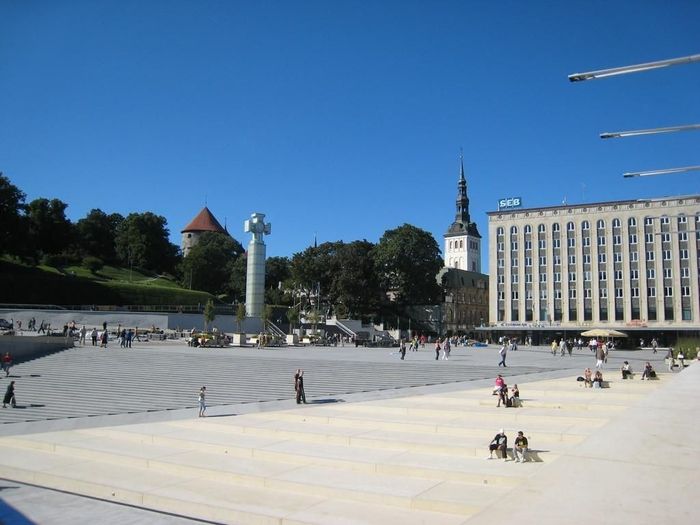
402, 349
600, 356
562, 347
437, 349
9, 396
503, 352
7, 363
299, 386
93, 336
83, 333
446, 349
201, 399
654, 345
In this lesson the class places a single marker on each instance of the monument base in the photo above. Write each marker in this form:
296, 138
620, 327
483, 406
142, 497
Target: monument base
292, 339
239, 339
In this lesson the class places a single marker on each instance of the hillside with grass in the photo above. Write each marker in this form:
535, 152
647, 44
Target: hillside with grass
74, 285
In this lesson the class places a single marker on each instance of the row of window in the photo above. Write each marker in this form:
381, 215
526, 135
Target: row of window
587, 293
600, 224
586, 241
602, 275
666, 255
459, 244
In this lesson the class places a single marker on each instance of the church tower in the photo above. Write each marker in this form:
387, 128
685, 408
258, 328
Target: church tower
462, 240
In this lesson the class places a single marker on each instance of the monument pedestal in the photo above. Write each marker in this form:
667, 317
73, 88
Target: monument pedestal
292, 339
239, 339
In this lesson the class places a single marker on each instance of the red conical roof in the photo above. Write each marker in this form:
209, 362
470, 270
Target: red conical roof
204, 222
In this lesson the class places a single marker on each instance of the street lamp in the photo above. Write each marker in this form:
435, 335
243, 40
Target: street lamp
652, 131
636, 68
651, 173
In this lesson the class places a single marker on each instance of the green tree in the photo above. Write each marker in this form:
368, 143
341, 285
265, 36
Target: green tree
407, 260
97, 233
94, 264
355, 286
50, 231
240, 315
237, 279
293, 318
266, 315
209, 263
277, 280
142, 242
209, 314
12, 225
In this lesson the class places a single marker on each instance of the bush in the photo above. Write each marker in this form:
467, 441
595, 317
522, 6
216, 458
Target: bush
689, 345
94, 264
59, 259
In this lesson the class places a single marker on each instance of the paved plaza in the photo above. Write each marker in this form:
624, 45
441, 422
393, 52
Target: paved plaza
115, 433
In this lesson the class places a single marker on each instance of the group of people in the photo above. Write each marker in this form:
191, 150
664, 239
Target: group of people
500, 389
499, 445
591, 380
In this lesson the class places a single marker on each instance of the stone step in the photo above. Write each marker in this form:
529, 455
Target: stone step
117, 480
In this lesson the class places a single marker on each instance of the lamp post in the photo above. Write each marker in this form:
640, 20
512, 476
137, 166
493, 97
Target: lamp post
652, 173
652, 131
636, 68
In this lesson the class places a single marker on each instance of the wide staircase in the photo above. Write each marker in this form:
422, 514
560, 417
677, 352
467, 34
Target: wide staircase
404, 460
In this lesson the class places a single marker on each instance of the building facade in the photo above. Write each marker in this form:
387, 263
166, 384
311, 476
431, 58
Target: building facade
627, 264
462, 240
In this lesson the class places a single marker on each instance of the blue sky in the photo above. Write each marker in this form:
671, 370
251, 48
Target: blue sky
340, 118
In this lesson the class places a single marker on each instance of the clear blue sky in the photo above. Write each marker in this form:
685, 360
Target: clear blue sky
340, 118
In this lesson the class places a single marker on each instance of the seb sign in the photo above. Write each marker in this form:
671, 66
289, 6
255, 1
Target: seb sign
510, 202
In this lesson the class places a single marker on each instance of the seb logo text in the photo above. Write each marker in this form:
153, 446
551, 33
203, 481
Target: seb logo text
510, 202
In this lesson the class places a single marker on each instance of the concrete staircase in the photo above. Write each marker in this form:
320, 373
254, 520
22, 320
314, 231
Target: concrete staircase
403, 460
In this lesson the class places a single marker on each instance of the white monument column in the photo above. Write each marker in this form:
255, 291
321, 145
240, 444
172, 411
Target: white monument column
255, 282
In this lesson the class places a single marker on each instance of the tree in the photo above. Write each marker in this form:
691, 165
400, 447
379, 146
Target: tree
407, 260
96, 234
293, 318
142, 241
237, 278
277, 279
266, 315
94, 264
50, 231
240, 315
209, 314
12, 208
355, 287
209, 263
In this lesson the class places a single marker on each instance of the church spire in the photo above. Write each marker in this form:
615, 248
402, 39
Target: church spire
462, 214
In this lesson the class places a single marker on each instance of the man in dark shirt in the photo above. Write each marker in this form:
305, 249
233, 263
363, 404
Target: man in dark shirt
520, 449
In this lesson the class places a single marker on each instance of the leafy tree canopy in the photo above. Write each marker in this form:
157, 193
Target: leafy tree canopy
210, 261
142, 241
96, 234
11, 209
49, 230
407, 259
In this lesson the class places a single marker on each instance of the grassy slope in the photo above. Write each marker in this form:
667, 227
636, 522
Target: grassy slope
74, 285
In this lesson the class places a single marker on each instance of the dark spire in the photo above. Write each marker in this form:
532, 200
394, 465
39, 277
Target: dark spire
462, 199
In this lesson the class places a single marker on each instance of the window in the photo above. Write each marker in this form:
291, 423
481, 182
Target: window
528, 245
557, 294
651, 291
617, 257
682, 236
648, 221
543, 294
572, 293
668, 274
682, 219
514, 278
570, 226
555, 227
571, 242
528, 294
684, 254
586, 258
543, 261
685, 291
514, 295
572, 259
513, 230
600, 224
618, 293
501, 246
618, 275
585, 225
649, 237
528, 261
586, 276
616, 223
556, 243
634, 274
501, 263
557, 260
501, 296
602, 258
603, 293
499, 231
617, 240
634, 256
543, 277
586, 241
542, 244
665, 237
541, 228
528, 277
632, 221
685, 273
634, 292
650, 256
601, 241
667, 255
664, 220
651, 273
514, 245
514, 263
557, 277
633, 238
602, 275
501, 278
572, 277
528, 229
668, 291
586, 293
